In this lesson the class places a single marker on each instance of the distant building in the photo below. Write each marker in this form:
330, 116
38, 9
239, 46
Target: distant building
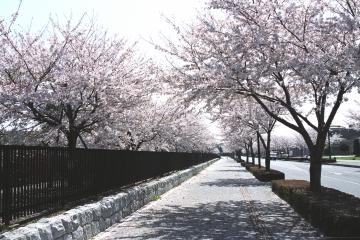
345, 144
346, 133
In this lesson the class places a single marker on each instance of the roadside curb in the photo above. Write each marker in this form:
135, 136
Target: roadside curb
342, 165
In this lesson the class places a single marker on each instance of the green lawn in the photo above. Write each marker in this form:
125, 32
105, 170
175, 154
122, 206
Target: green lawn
349, 157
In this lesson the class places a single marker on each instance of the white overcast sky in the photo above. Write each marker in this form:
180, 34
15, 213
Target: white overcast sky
133, 19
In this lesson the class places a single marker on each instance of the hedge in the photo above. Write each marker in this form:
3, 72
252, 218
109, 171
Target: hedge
336, 213
262, 175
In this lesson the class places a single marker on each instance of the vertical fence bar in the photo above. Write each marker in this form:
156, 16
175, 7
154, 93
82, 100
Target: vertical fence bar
31, 156
37, 179
1, 183
16, 182
7, 188
27, 180
50, 175
14, 191
62, 160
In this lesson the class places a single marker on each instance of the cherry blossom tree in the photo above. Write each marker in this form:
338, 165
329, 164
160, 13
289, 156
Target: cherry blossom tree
287, 53
283, 144
189, 134
353, 116
239, 134
186, 131
70, 78
136, 128
247, 113
166, 125
258, 120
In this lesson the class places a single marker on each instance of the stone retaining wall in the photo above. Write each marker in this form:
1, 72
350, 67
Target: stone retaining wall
86, 221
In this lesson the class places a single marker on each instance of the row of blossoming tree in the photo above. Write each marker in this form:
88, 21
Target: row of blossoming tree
75, 84
298, 56
287, 61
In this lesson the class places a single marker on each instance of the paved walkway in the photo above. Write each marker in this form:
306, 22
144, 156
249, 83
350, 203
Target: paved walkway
222, 202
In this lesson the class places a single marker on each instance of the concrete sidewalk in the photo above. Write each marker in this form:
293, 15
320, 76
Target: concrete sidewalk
222, 202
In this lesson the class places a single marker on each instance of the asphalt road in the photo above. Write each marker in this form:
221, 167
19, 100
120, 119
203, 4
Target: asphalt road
345, 179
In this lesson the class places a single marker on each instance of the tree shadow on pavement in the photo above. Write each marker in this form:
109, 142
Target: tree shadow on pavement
220, 220
236, 171
235, 182
233, 166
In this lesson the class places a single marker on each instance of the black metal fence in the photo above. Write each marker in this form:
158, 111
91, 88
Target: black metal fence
37, 179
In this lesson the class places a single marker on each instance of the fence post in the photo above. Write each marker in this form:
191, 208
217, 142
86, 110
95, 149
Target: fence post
63, 158
6, 187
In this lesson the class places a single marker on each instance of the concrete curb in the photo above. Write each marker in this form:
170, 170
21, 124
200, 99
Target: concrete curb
86, 221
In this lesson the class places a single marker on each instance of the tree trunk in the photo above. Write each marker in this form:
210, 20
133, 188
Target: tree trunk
329, 147
72, 137
74, 170
267, 158
315, 169
238, 154
83, 142
247, 154
252, 154
287, 152
258, 149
